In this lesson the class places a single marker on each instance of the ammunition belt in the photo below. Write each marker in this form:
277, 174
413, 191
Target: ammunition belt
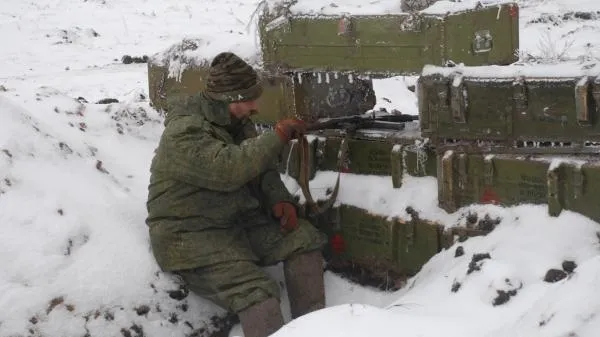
304, 174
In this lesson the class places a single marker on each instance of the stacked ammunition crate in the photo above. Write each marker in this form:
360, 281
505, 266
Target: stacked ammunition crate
396, 246
376, 46
514, 134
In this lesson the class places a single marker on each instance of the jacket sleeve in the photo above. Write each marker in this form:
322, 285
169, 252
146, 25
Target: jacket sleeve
268, 186
193, 155
274, 190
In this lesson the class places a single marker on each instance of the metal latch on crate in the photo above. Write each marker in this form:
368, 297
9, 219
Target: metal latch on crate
596, 93
554, 198
482, 42
583, 100
458, 99
462, 172
446, 186
488, 170
577, 182
520, 96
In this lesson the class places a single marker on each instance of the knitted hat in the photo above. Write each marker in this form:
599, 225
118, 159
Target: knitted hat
232, 79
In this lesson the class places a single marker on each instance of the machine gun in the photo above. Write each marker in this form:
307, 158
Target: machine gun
368, 121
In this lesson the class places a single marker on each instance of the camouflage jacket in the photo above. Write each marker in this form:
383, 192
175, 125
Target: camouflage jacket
209, 172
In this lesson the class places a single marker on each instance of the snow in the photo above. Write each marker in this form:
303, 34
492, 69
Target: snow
552, 32
380, 7
74, 248
524, 246
72, 222
198, 52
563, 70
556, 162
348, 7
392, 93
376, 194
48, 36
444, 7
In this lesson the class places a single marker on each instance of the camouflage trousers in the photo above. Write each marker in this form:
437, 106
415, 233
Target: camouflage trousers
237, 284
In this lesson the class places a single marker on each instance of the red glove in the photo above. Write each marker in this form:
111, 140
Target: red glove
286, 213
289, 129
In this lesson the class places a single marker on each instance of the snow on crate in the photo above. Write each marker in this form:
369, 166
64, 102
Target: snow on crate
199, 52
537, 71
444, 7
377, 194
358, 7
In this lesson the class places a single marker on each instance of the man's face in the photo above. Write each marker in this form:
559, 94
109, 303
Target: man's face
241, 110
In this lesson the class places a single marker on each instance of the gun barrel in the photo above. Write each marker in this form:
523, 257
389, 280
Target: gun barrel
388, 122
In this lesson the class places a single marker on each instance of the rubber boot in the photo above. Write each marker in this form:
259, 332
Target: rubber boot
261, 319
305, 284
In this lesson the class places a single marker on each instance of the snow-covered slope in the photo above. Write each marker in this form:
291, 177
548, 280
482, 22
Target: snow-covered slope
73, 173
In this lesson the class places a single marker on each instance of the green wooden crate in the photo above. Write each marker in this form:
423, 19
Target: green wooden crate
370, 152
399, 246
417, 160
369, 239
419, 240
560, 182
581, 190
394, 43
505, 179
510, 110
325, 95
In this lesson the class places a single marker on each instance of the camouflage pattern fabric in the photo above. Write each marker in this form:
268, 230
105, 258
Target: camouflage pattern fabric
238, 284
212, 187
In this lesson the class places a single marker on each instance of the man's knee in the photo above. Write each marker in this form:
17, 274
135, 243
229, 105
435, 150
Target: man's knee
304, 238
307, 237
233, 285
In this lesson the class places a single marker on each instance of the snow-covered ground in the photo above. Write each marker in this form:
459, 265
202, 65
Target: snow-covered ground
74, 252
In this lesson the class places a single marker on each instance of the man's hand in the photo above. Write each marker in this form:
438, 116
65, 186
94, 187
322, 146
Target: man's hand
286, 213
289, 129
